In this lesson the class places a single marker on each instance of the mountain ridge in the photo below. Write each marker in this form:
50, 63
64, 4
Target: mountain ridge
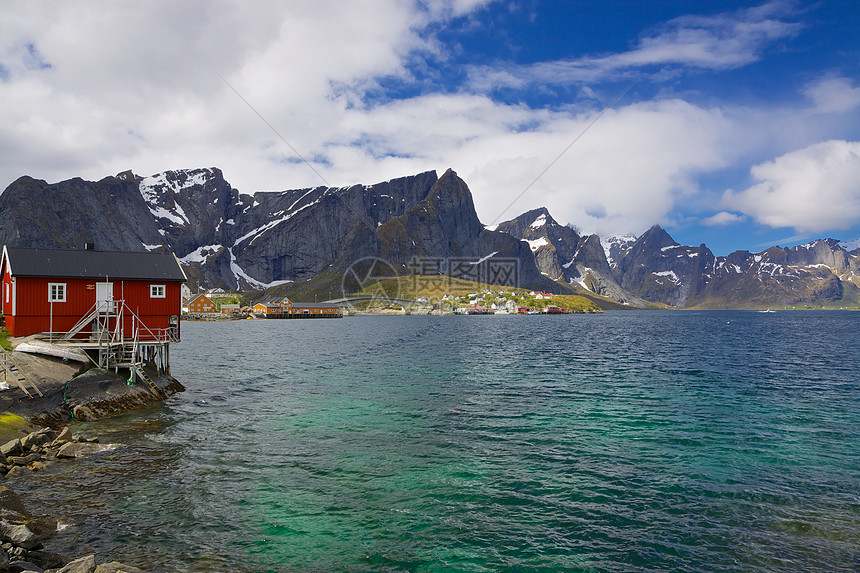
232, 240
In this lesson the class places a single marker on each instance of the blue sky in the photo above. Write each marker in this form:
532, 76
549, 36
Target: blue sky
738, 123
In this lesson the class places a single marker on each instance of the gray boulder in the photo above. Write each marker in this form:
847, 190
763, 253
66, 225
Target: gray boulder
20, 535
11, 448
64, 437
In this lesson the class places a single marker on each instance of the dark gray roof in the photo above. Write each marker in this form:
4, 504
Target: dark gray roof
87, 264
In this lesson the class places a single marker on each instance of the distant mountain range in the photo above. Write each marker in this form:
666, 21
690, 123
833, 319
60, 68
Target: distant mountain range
303, 241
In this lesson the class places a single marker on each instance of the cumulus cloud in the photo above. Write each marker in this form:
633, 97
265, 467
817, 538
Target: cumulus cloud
623, 175
92, 89
144, 86
814, 189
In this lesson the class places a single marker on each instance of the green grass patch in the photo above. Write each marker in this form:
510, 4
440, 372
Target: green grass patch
4, 338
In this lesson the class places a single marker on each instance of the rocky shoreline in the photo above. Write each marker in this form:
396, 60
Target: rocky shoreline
34, 435
23, 535
71, 391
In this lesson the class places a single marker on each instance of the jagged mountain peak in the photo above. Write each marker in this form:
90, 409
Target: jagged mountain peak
542, 218
657, 236
174, 181
534, 224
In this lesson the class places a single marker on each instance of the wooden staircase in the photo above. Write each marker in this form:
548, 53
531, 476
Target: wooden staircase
13, 374
141, 373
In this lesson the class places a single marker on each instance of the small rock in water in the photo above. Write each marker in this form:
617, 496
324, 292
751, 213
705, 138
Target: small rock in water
64, 437
83, 414
76, 449
16, 471
10, 502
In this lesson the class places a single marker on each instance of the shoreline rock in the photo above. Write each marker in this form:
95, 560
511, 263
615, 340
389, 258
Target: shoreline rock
23, 536
73, 392
69, 391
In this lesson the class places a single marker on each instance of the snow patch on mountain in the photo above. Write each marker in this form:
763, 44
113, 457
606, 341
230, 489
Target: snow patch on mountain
537, 243
201, 254
241, 275
539, 222
616, 247
154, 188
670, 275
482, 259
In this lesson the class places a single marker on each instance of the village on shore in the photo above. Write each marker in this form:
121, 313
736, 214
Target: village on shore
217, 304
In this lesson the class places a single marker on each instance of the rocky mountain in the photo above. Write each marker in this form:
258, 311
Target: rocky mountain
444, 226
561, 254
420, 224
660, 270
654, 268
225, 239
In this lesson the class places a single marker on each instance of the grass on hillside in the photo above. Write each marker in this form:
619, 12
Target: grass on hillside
435, 287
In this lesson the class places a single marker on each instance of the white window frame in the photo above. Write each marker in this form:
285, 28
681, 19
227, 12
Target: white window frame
56, 292
155, 289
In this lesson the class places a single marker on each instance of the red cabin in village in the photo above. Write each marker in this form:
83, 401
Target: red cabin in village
56, 291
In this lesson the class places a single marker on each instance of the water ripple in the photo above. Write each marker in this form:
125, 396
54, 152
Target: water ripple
694, 441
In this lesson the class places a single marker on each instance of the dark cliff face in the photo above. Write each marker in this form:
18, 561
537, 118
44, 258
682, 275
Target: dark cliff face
295, 235
110, 213
443, 232
561, 254
193, 207
658, 269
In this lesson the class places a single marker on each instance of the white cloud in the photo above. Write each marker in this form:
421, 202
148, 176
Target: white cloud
623, 175
814, 189
722, 219
94, 89
833, 94
717, 42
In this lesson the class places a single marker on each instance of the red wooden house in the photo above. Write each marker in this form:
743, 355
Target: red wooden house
76, 292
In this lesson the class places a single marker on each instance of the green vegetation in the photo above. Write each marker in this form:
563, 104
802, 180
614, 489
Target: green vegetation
4, 338
13, 426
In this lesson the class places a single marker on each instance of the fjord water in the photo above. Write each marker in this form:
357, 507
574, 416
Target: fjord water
637, 441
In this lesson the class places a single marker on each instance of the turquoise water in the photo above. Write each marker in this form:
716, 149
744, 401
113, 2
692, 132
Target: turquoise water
658, 441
